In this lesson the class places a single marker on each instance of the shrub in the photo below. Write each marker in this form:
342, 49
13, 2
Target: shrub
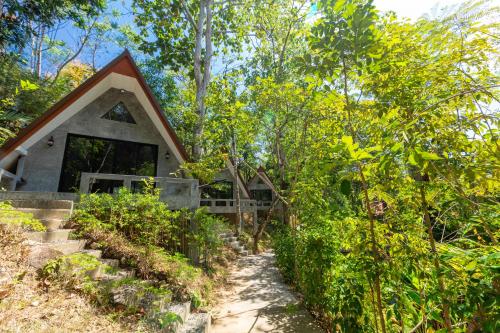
9, 215
73, 272
284, 248
206, 234
331, 281
141, 217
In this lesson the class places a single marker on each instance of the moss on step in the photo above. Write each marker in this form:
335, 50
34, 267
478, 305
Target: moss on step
10, 216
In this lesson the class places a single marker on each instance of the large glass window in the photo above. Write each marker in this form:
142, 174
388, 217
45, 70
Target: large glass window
262, 195
98, 155
218, 190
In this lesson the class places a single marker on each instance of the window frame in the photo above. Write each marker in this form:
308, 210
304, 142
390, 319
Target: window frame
66, 145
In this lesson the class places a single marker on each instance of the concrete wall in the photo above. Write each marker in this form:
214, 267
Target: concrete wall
228, 176
43, 163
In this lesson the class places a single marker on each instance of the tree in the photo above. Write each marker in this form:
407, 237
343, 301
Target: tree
344, 37
23, 20
184, 35
279, 29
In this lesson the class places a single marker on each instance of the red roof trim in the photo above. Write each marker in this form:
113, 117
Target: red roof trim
122, 64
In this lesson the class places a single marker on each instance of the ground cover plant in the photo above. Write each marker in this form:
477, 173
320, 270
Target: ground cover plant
10, 216
140, 231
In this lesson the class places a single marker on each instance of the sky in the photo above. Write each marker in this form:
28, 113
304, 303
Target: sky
412, 9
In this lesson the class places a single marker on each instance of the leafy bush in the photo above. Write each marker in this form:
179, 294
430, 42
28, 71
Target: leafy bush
9, 215
332, 282
140, 217
73, 271
206, 234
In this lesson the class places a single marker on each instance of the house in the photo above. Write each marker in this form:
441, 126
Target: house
220, 196
107, 133
263, 192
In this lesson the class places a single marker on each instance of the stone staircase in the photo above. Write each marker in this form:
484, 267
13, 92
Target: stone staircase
232, 241
53, 214
55, 242
189, 322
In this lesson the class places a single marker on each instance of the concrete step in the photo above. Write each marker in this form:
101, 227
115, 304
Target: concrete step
118, 275
197, 323
183, 310
42, 204
234, 244
115, 263
53, 224
67, 247
47, 214
94, 253
55, 236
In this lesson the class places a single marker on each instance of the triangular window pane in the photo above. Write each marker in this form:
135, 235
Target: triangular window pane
119, 112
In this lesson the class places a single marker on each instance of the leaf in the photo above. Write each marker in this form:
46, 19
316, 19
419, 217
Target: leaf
362, 154
397, 147
429, 156
27, 85
471, 266
412, 159
347, 139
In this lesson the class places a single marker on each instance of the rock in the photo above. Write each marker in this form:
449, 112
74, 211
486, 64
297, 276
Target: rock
35, 303
94, 246
40, 255
139, 296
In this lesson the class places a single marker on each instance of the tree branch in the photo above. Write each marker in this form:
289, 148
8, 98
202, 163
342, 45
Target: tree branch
73, 57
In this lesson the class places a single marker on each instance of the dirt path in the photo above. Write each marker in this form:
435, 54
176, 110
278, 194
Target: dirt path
259, 301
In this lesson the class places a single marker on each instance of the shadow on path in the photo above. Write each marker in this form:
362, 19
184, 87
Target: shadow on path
260, 301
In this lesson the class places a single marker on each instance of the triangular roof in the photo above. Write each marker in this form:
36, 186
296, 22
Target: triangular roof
263, 174
122, 64
241, 183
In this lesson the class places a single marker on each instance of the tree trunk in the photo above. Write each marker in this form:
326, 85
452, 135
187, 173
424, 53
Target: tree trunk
373, 238
202, 70
437, 266
239, 220
282, 173
260, 230
38, 53
375, 253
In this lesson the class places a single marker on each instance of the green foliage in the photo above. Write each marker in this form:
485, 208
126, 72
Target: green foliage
206, 234
168, 318
21, 17
9, 215
73, 272
24, 96
141, 217
401, 130
151, 261
174, 42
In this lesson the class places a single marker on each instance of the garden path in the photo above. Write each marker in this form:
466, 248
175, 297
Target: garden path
257, 300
